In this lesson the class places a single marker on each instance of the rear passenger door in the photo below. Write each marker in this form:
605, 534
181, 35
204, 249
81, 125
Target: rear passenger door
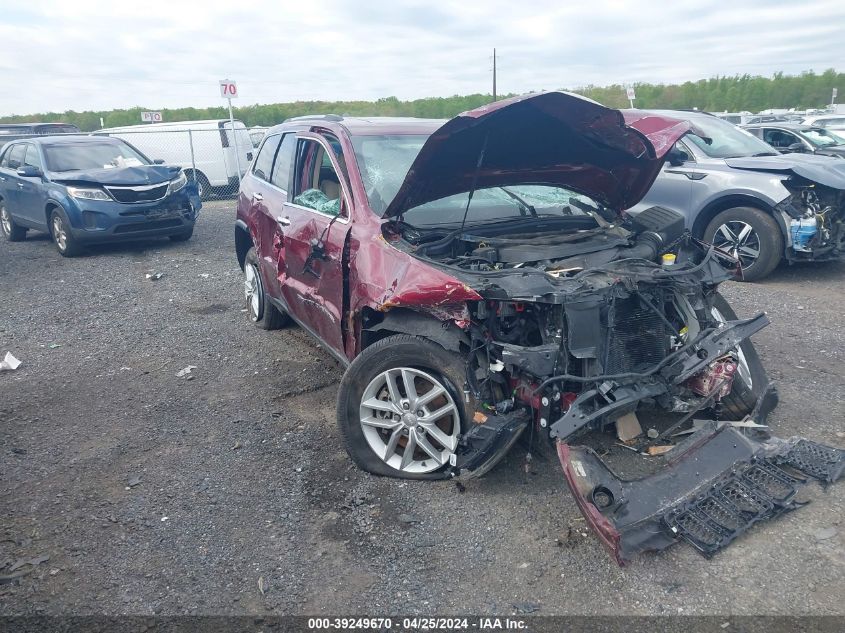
265, 203
13, 159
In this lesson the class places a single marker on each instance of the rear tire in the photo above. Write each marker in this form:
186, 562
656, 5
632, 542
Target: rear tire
429, 366
743, 396
203, 187
260, 309
60, 231
11, 231
743, 231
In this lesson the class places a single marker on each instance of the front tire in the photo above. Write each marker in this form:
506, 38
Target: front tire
60, 231
751, 380
11, 231
400, 408
752, 236
259, 308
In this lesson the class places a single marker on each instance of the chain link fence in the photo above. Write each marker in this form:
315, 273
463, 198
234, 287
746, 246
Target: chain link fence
210, 152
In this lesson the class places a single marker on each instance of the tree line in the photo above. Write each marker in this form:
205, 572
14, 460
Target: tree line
717, 94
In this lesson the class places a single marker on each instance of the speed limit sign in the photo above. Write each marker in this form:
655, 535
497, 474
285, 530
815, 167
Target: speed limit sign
228, 89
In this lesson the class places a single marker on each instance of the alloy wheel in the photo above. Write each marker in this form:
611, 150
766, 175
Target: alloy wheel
5, 220
253, 291
59, 233
740, 240
410, 420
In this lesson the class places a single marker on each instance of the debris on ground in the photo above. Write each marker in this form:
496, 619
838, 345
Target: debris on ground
133, 481
154, 276
9, 362
182, 373
409, 518
526, 607
825, 533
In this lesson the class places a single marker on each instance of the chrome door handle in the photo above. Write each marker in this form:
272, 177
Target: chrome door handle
20, 185
283, 221
257, 197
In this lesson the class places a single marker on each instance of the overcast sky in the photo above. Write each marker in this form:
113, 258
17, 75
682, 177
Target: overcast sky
91, 55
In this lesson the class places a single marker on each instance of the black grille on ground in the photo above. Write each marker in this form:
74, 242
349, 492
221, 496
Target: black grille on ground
715, 517
138, 194
147, 226
638, 337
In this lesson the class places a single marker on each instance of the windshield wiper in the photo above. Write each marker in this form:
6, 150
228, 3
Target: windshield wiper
524, 207
764, 154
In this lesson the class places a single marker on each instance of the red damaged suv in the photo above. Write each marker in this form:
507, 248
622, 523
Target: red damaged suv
481, 282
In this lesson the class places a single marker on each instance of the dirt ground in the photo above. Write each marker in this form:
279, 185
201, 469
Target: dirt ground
228, 492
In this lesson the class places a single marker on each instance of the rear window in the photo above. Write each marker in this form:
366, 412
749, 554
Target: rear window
264, 163
82, 156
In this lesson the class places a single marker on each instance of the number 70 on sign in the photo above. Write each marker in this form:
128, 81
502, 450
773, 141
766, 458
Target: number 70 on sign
228, 89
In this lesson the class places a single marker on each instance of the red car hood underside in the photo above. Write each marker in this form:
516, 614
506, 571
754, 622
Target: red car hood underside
551, 138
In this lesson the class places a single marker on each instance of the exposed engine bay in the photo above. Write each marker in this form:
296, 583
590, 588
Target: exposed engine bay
815, 216
589, 325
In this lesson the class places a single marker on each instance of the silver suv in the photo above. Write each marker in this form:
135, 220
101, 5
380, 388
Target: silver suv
743, 196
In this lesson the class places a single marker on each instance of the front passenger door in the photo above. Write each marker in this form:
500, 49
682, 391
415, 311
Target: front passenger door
31, 196
672, 188
314, 226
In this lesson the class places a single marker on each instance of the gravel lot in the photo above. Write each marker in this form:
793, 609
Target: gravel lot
230, 492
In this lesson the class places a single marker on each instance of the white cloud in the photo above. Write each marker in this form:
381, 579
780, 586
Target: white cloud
88, 54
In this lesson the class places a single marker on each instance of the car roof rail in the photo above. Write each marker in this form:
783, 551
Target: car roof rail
318, 117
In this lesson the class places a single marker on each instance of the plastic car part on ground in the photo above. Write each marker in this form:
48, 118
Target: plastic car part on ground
715, 486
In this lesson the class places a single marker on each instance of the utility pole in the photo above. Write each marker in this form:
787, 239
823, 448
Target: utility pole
494, 74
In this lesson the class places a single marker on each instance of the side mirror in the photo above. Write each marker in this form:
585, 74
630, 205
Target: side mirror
676, 157
796, 147
158, 161
30, 171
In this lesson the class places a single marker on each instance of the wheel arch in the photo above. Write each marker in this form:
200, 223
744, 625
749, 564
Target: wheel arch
715, 207
49, 207
243, 241
378, 325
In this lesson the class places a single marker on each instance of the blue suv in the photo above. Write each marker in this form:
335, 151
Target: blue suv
87, 189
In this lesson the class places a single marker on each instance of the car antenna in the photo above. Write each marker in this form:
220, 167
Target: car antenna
475, 179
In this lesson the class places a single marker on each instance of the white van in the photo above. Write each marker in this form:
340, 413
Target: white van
204, 149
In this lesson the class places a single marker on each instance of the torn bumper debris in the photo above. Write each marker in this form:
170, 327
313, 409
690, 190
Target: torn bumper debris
716, 485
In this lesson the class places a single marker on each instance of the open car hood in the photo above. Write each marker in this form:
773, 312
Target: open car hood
551, 138
825, 170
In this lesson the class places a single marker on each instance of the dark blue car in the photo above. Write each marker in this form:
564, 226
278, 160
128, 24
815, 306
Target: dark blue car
87, 189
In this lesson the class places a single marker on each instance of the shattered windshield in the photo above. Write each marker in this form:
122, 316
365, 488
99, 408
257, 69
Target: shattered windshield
728, 141
384, 162
71, 157
498, 203
823, 138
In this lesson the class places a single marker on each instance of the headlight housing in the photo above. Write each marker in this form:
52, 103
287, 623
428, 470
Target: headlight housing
180, 181
84, 193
